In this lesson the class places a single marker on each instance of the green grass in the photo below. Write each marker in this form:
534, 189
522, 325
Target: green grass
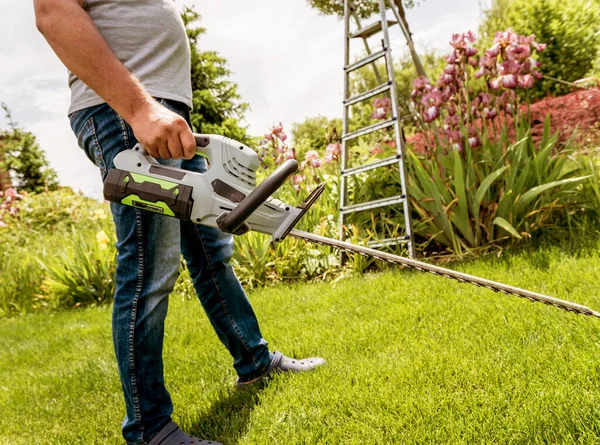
413, 358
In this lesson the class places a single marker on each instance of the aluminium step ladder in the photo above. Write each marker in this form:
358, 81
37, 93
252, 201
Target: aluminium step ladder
387, 86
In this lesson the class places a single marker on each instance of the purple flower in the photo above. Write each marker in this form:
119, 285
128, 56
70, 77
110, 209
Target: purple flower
379, 114
493, 52
454, 135
490, 114
381, 102
431, 114
509, 81
526, 81
433, 98
452, 57
474, 142
494, 84
450, 69
470, 51
458, 147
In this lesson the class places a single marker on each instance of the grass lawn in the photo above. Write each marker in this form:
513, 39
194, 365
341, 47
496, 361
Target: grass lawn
413, 358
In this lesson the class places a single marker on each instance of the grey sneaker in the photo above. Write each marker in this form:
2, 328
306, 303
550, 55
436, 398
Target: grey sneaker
172, 435
281, 363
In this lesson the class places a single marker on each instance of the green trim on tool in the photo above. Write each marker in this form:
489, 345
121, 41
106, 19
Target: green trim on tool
165, 185
156, 207
204, 155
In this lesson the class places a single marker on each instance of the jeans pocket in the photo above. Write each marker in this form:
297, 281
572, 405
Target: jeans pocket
88, 141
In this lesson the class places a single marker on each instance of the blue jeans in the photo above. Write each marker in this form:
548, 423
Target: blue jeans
149, 247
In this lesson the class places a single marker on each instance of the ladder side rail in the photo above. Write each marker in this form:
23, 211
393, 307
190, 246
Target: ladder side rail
400, 143
345, 117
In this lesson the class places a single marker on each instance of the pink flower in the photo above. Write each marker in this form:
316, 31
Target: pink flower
474, 142
420, 82
277, 128
269, 136
470, 51
311, 154
375, 150
509, 81
10, 193
381, 102
316, 163
458, 147
526, 81
454, 135
452, 57
494, 84
433, 98
379, 113
282, 136
332, 153
452, 121
540, 46
490, 114
450, 69
431, 114
493, 52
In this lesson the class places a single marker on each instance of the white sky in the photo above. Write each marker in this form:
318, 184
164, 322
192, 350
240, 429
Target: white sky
285, 57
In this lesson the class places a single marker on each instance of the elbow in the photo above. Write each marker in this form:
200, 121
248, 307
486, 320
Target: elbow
44, 14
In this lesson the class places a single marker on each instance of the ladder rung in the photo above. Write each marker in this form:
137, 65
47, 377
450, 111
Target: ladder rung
389, 242
368, 94
372, 205
371, 166
369, 30
369, 129
369, 59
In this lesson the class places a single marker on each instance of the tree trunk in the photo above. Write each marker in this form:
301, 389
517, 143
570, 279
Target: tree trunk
5, 180
401, 16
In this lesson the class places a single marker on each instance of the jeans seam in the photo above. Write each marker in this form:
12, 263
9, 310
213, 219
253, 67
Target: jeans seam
138, 292
224, 304
125, 133
99, 153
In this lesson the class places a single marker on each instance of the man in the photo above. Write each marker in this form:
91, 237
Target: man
129, 63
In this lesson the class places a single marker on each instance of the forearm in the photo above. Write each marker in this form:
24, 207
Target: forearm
76, 41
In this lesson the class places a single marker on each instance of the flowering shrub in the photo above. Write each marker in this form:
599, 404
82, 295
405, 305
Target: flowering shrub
9, 205
508, 66
274, 149
474, 188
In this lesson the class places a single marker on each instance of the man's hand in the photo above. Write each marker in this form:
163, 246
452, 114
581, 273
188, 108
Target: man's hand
75, 39
163, 133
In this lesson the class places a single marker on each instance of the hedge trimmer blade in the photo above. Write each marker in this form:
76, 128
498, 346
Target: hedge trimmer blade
447, 273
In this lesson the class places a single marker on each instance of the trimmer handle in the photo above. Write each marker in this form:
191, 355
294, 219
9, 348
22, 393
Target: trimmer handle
234, 222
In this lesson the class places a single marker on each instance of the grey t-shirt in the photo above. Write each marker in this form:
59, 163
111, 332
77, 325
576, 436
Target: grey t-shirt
149, 37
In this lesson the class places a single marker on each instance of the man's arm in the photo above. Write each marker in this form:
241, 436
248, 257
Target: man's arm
77, 42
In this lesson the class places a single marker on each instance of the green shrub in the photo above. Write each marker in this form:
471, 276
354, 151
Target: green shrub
81, 274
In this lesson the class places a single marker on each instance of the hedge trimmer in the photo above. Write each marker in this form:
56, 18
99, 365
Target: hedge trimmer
226, 196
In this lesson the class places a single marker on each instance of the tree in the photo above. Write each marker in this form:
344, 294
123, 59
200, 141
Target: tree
571, 29
366, 8
217, 105
22, 156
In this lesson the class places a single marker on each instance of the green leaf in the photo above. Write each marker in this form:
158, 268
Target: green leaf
486, 184
499, 221
530, 195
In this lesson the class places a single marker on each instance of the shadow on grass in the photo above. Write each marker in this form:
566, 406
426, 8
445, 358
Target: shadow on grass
229, 415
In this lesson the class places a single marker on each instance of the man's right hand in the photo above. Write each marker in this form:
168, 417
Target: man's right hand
163, 133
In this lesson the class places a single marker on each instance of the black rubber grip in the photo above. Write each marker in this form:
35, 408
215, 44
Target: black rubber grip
231, 222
